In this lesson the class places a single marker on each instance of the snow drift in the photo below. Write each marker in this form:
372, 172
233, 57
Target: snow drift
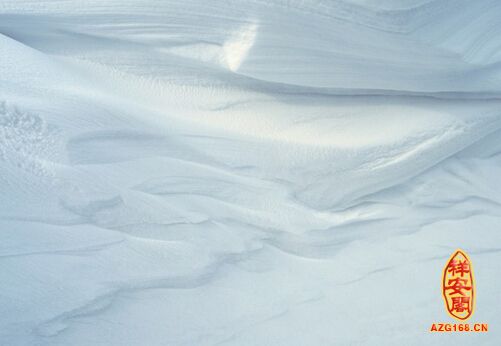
245, 172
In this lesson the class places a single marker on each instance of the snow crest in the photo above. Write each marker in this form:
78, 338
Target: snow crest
246, 172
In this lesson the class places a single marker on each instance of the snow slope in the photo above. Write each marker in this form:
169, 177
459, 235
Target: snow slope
246, 172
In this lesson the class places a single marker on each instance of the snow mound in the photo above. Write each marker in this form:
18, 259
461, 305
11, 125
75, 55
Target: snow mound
245, 173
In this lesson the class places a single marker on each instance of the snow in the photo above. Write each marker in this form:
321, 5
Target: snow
246, 172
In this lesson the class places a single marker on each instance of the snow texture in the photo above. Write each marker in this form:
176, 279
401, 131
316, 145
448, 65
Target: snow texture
259, 172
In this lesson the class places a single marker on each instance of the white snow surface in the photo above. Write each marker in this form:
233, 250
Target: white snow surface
260, 172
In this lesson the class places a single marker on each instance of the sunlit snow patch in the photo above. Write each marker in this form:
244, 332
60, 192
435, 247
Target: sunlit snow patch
230, 53
236, 48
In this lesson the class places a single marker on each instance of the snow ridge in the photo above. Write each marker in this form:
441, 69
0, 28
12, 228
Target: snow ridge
235, 172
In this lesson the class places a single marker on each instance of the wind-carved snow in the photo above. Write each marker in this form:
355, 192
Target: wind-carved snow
246, 173
238, 45
231, 53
